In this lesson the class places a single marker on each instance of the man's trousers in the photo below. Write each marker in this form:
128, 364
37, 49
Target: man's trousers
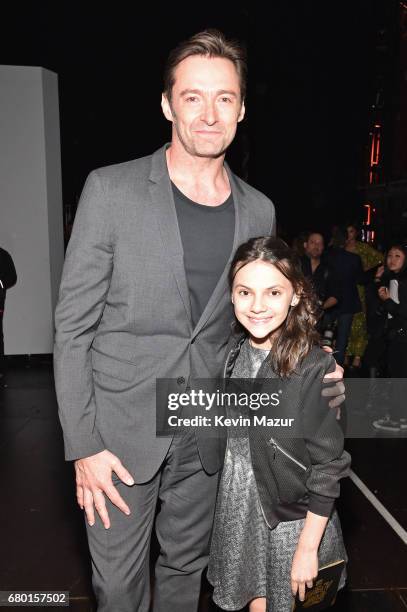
121, 554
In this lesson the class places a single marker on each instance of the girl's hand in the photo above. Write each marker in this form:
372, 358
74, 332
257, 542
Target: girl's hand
383, 293
303, 571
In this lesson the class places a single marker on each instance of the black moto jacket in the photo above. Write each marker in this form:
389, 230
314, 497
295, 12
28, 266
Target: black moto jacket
299, 469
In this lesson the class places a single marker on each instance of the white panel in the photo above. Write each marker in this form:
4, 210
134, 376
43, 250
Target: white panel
30, 204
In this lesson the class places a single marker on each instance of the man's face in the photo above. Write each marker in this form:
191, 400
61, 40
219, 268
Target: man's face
314, 246
205, 105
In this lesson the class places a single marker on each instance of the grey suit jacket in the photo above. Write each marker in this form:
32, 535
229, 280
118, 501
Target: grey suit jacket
124, 319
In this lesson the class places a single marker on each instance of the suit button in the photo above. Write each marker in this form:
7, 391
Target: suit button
181, 380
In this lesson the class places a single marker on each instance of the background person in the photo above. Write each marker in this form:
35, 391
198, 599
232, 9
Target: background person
348, 272
370, 257
8, 278
316, 268
392, 295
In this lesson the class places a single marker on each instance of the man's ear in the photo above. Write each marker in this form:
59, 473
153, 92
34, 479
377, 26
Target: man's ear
241, 113
166, 107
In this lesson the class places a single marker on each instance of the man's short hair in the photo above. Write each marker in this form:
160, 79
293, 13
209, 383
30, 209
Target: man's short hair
209, 43
313, 233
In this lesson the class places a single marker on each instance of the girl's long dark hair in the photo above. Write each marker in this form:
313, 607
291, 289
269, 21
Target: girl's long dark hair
297, 335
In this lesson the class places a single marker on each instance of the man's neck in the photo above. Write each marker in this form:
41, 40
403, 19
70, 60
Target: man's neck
202, 179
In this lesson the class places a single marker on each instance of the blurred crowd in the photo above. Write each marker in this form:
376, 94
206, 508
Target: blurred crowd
362, 294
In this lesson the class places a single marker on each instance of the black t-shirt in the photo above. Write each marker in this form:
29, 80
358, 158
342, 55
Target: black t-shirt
207, 238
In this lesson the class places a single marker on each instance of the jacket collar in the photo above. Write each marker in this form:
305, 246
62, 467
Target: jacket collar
233, 349
163, 206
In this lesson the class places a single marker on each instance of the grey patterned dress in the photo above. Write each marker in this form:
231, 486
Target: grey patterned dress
248, 559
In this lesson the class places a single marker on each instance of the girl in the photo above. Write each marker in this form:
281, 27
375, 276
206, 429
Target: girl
274, 520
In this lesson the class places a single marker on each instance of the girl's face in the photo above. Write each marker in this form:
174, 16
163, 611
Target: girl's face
395, 260
262, 296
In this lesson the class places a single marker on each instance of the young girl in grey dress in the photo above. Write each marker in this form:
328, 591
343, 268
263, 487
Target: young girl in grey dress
275, 521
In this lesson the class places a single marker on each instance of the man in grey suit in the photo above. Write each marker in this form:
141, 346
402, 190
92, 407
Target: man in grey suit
144, 296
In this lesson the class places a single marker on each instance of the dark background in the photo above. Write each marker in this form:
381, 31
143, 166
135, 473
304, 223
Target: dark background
313, 77
316, 71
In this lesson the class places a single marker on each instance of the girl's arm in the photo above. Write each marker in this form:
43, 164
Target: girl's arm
324, 439
305, 562
323, 436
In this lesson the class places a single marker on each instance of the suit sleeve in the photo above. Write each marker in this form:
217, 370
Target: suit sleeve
324, 440
84, 287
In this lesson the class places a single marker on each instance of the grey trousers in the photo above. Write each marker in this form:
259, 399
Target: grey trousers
120, 555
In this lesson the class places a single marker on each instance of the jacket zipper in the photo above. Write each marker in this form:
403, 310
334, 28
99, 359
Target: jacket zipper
262, 511
274, 444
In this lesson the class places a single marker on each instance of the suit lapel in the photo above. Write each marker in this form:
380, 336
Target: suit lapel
163, 206
240, 236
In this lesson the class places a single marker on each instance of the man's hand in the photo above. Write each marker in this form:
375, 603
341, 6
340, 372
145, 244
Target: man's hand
337, 391
94, 481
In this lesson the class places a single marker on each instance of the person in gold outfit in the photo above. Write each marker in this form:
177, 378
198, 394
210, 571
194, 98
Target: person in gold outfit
370, 258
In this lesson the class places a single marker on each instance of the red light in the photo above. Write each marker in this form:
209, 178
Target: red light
368, 213
375, 150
